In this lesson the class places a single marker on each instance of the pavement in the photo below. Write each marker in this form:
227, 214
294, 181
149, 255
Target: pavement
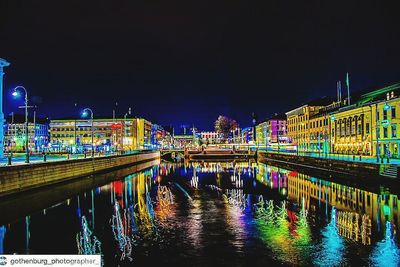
366, 159
19, 158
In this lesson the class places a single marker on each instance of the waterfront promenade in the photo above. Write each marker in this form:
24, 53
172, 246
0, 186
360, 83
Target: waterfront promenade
22, 177
19, 158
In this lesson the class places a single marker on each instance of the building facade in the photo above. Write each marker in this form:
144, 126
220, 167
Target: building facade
276, 129
211, 137
352, 131
15, 133
246, 135
108, 134
369, 126
298, 121
261, 134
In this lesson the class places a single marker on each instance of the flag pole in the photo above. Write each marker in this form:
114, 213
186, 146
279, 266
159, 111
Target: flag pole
348, 88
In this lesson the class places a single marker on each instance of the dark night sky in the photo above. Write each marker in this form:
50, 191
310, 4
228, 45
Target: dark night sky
187, 62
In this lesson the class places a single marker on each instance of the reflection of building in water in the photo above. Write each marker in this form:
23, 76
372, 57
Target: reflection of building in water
87, 243
386, 252
237, 198
274, 177
354, 226
145, 211
217, 167
329, 252
120, 229
378, 207
195, 179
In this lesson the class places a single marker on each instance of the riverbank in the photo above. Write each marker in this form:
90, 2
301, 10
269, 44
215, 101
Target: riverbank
19, 178
18, 205
332, 167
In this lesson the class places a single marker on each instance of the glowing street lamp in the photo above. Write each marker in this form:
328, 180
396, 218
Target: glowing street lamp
15, 93
85, 114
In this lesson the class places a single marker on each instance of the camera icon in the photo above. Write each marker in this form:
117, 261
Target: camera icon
3, 261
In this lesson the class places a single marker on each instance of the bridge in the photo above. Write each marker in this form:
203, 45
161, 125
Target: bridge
172, 154
208, 153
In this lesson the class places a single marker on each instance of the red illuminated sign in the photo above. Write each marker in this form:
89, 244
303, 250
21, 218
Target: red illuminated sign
116, 126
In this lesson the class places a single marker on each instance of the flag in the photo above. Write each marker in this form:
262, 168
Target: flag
347, 80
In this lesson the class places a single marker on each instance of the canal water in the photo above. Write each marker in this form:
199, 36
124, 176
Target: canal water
207, 214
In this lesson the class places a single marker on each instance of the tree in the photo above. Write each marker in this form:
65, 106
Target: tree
224, 125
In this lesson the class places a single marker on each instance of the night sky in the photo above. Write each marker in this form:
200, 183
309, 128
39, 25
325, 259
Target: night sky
187, 62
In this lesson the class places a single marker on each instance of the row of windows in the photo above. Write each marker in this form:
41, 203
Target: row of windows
385, 113
15, 133
79, 129
82, 135
312, 125
72, 135
393, 128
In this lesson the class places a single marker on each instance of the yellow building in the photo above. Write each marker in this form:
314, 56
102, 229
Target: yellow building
352, 131
108, 134
319, 128
355, 130
298, 124
261, 134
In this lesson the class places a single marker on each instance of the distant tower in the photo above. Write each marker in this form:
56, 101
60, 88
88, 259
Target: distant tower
3, 63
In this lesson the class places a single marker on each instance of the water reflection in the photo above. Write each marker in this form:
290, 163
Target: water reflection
386, 252
119, 225
285, 231
87, 243
331, 248
207, 213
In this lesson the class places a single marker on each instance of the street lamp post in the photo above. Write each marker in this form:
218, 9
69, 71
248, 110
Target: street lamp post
84, 113
15, 93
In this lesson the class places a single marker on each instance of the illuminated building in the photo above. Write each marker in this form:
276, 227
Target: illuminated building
247, 135
261, 134
181, 141
268, 131
298, 123
109, 134
352, 131
14, 134
354, 128
319, 129
159, 136
211, 137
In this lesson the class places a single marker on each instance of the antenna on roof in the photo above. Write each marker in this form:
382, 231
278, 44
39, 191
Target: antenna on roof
348, 88
339, 90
